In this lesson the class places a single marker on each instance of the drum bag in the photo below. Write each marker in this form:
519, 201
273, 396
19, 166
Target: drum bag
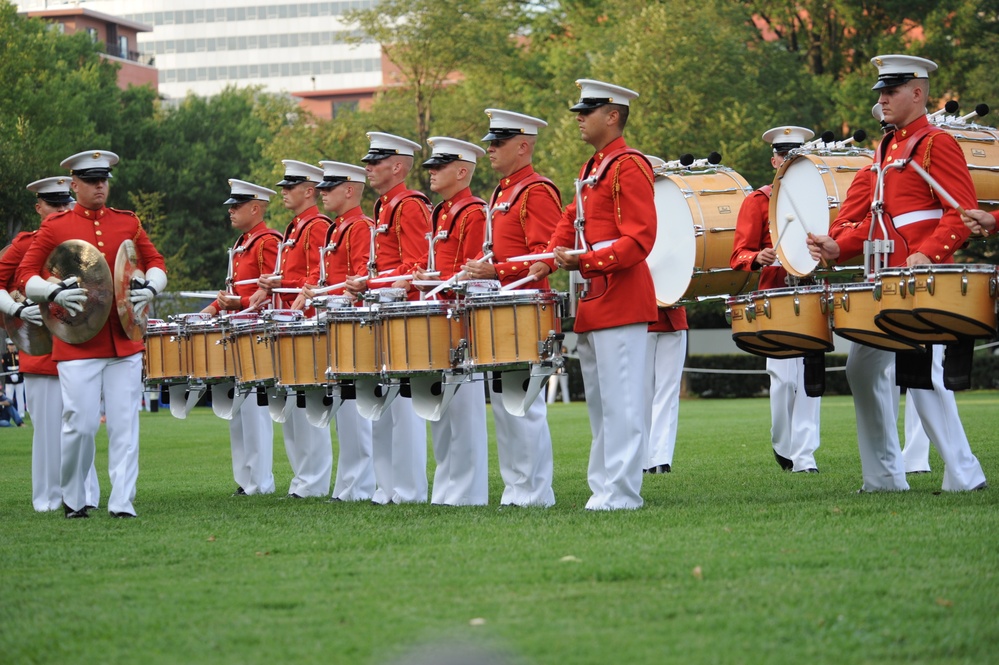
348, 390
497, 383
815, 374
261, 397
958, 359
914, 369
404, 388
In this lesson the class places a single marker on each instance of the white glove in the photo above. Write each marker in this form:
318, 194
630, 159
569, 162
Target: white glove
71, 298
7, 304
143, 292
31, 313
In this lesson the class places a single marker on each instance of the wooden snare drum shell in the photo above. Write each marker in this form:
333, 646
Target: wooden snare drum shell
253, 352
505, 329
165, 357
353, 342
959, 299
795, 318
896, 289
741, 315
419, 336
301, 351
209, 356
853, 309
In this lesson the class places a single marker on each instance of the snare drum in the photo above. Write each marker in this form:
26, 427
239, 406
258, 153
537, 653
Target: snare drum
741, 315
957, 298
896, 290
807, 192
353, 337
209, 357
697, 213
165, 358
509, 328
795, 318
301, 353
853, 310
420, 336
252, 344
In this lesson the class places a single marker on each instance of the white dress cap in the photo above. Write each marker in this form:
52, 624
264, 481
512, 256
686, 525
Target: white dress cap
894, 70
296, 172
594, 94
246, 191
91, 163
787, 137
504, 124
52, 190
446, 150
386, 145
335, 173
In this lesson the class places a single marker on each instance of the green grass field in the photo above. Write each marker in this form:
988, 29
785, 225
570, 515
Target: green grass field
731, 561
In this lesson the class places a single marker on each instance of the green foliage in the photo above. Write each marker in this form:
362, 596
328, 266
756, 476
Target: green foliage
58, 99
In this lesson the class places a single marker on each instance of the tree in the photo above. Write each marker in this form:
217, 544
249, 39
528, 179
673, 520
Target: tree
59, 98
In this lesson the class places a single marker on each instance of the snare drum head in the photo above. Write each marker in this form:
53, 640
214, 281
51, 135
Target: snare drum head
807, 193
671, 260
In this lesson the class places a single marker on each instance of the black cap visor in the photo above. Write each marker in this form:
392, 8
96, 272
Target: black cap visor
590, 104
92, 174
440, 160
56, 198
329, 182
501, 134
893, 80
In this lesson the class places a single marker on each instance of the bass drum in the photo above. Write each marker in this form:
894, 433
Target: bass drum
807, 192
697, 212
981, 150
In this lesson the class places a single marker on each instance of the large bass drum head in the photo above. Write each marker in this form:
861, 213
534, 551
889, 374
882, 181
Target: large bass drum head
671, 260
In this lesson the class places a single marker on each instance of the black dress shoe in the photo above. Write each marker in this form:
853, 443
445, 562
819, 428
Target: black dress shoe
665, 468
74, 514
784, 462
812, 470
122, 515
980, 486
91, 507
239, 492
915, 473
292, 496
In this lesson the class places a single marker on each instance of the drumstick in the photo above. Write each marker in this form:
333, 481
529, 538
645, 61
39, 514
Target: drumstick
457, 277
198, 294
519, 282
546, 255
390, 279
808, 234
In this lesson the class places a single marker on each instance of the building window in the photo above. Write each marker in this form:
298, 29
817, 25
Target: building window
93, 34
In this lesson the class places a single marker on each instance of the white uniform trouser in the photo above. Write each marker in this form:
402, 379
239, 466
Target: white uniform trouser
17, 392
399, 451
355, 471
558, 382
938, 412
44, 401
251, 435
461, 445
794, 416
613, 366
310, 454
83, 382
524, 449
916, 452
665, 356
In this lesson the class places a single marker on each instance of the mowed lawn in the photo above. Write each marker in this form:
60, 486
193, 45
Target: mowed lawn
730, 561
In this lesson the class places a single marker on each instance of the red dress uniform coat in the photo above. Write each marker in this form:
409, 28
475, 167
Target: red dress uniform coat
254, 254
465, 221
527, 226
105, 229
300, 262
349, 245
906, 192
8, 267
752, 235
620, 207
406, 213
671, 319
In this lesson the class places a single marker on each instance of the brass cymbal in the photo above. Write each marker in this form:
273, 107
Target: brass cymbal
80, 259
29, 338
126, 268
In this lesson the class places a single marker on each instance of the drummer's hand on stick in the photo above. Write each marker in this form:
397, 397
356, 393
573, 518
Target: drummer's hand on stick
479, 270
767, 256
565, 260
917, 259
540, 270
259, 298
269, 281
979, 221
228, 300
299, 302
822, 248
356, 285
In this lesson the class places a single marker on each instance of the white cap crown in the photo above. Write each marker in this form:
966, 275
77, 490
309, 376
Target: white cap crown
296, 172
384, 145
787, 137
594, 94
335, 173
241, 191
894, 70
446, 150
504, 124
91, 163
